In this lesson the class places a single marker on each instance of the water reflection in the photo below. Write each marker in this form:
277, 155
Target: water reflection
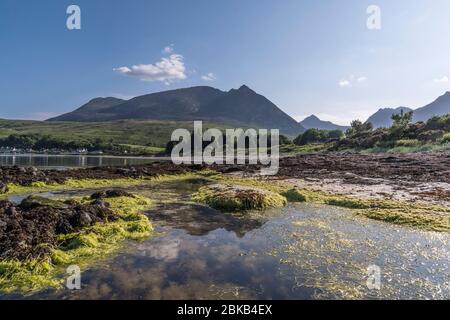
70, 161
302, 251
306, 253
199, 220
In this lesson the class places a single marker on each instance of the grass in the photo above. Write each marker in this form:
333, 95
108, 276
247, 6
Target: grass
289, 149
409, 147
136, 149
82, 248
138, 133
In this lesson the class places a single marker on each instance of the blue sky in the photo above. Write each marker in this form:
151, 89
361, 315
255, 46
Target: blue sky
306, 56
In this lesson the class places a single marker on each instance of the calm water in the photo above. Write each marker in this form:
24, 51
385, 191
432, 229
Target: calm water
299, 252
70, 161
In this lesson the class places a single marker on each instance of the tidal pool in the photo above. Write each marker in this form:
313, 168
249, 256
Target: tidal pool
302, 251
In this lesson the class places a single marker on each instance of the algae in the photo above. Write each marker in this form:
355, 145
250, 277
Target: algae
232, 198
417, 215
82, 248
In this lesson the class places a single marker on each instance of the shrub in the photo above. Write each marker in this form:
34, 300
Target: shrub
407, 143
317, 136
358, 128
446, 138
431, 136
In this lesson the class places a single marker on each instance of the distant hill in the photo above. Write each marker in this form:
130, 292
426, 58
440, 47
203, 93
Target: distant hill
235, 107
314, 122
439, 107
383, 117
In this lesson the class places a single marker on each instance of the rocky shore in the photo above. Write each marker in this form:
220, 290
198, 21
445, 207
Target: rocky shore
36, 221
28, 176
417, 176
416, 167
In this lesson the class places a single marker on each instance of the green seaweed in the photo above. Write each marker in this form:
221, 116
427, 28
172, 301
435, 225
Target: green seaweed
294, 195
82, 248
412, 214
229, 198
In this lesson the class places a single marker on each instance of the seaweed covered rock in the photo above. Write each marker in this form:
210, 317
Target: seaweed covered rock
294, 195
29, 230
111, 194
238, 198
32, 202
39, 236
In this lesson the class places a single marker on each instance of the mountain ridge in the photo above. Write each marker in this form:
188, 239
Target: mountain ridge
242, 105
314, 122
383, 117
439, 107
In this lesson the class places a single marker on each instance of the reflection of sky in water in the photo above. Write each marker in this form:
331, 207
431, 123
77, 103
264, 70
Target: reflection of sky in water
299, 252
307, 252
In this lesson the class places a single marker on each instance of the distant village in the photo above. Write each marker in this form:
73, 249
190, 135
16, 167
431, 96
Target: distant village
83, 151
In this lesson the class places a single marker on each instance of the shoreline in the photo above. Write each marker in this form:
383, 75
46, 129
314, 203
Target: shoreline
408, 189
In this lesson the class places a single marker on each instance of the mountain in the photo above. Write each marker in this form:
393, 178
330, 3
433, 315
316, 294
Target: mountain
237, 107
88, 111
383, 117
438, 107
314, 122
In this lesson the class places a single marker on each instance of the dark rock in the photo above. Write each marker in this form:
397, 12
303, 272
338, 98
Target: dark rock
36, 221
71, 202
98, 195
36, 201
11, 211
111, 194
100, 203
84, 219
3, 187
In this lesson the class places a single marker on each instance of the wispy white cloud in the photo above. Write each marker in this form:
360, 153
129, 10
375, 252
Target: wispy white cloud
444, 79
344, 83
209, 77
351, 81
167, 70
361, 79
169, 49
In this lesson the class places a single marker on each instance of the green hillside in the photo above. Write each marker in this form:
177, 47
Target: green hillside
127, 132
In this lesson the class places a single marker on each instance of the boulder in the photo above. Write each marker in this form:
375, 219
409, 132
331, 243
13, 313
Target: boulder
238, 198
